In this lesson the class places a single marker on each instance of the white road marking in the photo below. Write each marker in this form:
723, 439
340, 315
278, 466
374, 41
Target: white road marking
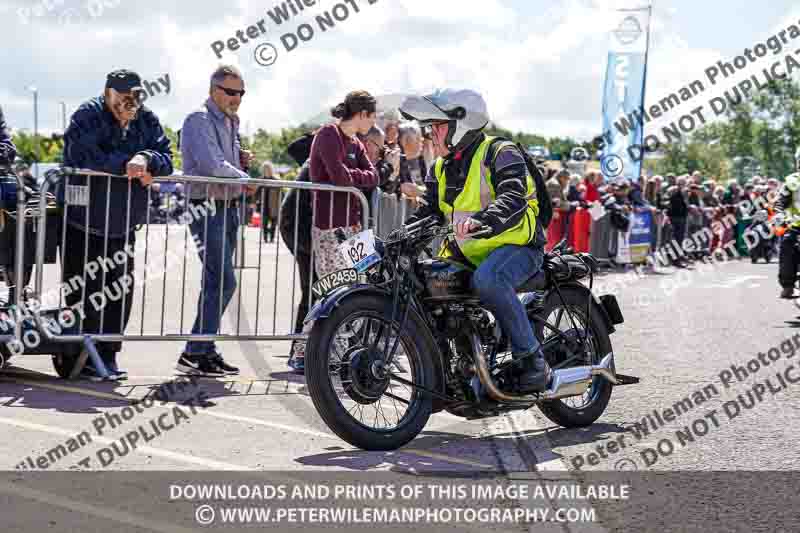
446, 458
274, 425
731, 283
166, 454
546, 461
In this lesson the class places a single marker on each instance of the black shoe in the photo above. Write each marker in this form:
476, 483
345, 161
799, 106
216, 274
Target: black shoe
90, 373
217, 359
536, 375
199, 365
297, 357
110, 360
787, 293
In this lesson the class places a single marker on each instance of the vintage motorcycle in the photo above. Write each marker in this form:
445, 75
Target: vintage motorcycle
398, 337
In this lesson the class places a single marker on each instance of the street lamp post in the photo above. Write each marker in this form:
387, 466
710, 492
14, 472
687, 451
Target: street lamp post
63, 117
36, 126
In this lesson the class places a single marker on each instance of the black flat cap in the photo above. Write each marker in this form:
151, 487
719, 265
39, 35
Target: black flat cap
123, 81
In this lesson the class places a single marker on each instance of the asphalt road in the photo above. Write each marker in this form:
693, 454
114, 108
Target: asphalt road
682, 333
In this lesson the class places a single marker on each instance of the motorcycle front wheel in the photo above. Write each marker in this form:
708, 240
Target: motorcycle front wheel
358, 397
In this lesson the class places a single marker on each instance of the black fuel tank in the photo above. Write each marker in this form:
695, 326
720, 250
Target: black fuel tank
446, 278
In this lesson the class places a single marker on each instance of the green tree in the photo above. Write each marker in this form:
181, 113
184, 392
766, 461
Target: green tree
50, 149
172, 135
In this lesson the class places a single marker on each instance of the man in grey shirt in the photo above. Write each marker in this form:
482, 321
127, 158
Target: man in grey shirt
210, 147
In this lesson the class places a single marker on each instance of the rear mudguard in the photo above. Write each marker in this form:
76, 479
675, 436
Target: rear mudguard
533, 303
324, 307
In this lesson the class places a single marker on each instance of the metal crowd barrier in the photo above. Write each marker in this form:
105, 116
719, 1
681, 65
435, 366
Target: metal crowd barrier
389, 211
19, 269
167, 272
165, 283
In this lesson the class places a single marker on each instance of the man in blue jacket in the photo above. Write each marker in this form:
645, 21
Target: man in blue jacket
112, 133
7, 149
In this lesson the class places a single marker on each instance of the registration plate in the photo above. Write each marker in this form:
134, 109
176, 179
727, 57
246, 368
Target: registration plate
359, 250
333, 281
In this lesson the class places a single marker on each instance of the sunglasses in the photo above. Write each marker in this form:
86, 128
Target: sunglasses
427, 129
131, 99
381, 149
231, 92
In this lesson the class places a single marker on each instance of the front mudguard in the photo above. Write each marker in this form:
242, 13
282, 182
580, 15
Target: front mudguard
326, 306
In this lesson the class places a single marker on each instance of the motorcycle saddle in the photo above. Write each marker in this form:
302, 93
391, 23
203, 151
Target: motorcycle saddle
561, 267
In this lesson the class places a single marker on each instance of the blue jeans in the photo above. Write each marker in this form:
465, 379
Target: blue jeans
496, 281
218, 233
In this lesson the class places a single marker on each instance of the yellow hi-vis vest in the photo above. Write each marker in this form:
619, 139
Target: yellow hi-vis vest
478, 193
792, 183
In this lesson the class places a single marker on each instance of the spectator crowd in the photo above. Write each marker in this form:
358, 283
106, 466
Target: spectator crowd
681, 206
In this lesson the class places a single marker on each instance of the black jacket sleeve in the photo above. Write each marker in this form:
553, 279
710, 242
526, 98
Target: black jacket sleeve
158, 152
784, 200
509, 177
385, 170
82, 145
7, 149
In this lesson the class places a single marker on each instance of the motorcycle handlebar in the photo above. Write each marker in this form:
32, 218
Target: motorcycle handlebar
432, 222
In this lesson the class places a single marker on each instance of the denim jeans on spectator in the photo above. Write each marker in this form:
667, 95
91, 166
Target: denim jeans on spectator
496, 280
217, 232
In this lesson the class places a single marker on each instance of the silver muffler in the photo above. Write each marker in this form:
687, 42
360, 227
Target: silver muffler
576, 380
565, 382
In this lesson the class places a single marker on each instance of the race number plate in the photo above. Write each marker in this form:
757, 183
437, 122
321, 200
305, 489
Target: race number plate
359, 250
333, 281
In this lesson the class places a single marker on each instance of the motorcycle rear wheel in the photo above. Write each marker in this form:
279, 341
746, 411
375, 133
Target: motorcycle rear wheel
339, 362
578, 411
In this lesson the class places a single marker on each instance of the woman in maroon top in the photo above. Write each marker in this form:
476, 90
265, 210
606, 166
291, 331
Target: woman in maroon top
339, 158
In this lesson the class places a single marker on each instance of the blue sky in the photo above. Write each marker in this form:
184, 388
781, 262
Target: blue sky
539, 63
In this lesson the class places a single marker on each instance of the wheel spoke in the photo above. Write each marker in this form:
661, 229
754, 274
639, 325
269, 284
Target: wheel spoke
558, 318
357, 339
379, 408
554, 333
397, 398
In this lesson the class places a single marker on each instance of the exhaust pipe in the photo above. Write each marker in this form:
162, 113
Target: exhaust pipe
574, 381
565, 381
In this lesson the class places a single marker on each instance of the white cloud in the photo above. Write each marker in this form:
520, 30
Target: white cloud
540, 64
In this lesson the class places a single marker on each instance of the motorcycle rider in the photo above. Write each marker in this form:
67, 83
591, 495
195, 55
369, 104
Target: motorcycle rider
478, 181
788, 203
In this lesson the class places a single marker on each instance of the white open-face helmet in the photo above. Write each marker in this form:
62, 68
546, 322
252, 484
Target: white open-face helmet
463, 110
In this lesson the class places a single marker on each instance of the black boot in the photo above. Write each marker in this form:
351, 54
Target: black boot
536, 372
787, 293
